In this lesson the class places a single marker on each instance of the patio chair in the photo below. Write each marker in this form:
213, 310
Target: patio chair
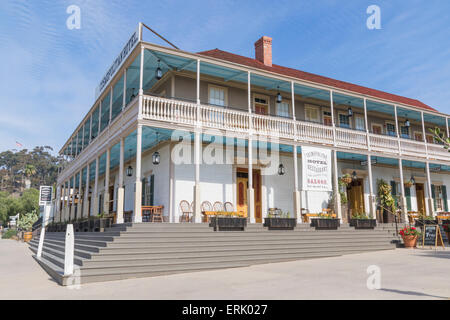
228, 207
206, 206
218, 206
186, 211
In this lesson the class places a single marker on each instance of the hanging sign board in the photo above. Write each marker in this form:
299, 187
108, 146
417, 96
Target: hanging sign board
316, 165
123, 55
45, 195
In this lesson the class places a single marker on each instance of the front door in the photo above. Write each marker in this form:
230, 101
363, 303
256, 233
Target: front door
355, 194
241, 193
420, 196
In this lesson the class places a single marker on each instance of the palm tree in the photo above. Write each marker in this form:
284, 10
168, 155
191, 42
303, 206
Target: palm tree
29, 171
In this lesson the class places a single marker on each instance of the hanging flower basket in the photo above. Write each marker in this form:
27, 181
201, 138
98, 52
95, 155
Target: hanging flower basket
347, 179
408, 184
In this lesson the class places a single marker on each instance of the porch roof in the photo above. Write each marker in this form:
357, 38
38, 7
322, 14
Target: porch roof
231, 57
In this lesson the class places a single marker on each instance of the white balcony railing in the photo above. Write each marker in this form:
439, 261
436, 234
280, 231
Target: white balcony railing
175, 111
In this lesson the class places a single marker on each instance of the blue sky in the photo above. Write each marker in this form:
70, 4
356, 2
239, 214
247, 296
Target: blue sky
49, 73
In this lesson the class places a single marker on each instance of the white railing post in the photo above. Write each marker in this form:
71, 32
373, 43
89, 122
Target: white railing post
45, 217
69, 251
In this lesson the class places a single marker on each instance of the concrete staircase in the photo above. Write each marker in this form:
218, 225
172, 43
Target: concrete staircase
145, 249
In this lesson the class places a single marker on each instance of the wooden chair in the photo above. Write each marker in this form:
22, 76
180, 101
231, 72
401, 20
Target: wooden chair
218, 206
228, 206
206, 206
186, 211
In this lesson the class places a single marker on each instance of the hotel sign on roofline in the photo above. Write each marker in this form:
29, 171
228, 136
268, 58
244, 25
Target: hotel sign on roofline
127, 49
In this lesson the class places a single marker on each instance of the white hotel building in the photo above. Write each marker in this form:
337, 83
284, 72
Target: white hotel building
157, 100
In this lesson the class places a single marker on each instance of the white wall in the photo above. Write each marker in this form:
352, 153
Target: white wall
216, 184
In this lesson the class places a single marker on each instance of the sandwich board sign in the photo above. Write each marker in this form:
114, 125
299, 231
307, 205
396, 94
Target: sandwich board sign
45, 195
432, 236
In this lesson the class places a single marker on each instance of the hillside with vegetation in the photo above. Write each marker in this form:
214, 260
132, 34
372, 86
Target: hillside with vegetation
21, 174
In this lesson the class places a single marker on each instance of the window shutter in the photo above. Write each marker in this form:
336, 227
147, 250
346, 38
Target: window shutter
144, 187
394, 191
408, 198
433, 195
444, 197
152, 189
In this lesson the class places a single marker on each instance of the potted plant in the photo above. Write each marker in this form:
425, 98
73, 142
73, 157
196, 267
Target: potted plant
409, 236
362, 221
325, 222
446, 228
283, 222
228, 221
104, 221
424, 219
26, 224
386, 201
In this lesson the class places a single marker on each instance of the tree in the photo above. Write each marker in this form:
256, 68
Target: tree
38, 166
440, 138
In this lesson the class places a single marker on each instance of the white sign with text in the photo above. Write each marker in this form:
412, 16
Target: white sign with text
316, 165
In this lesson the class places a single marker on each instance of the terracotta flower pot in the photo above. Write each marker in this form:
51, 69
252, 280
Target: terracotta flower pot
27, 236
410, 241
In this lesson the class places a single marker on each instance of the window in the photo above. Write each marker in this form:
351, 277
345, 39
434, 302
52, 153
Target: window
327, 119
312, 114
283, 109
344, 120
360, 123
217, 96
148, 190
377, 129
430, 138
438, 200
404, 132
261, 104
390, 129
418, 136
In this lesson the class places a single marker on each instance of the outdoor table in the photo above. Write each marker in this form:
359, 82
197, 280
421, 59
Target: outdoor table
149, 213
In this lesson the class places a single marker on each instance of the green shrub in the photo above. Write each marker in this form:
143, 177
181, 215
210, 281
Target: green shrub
9, 234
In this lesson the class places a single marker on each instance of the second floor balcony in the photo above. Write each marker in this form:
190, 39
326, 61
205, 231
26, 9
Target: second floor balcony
189, 91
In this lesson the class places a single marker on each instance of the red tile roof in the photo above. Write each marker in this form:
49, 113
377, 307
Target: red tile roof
231, 57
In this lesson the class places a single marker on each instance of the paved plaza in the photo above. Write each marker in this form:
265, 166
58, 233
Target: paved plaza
404, 274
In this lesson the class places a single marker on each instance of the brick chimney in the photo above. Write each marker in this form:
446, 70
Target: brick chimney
263, 50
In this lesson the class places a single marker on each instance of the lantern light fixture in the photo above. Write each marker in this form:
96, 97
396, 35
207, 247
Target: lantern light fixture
156, 157
129, 171
158, 72
281, 170
412, 180
350, 112
279, 97
354, 176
